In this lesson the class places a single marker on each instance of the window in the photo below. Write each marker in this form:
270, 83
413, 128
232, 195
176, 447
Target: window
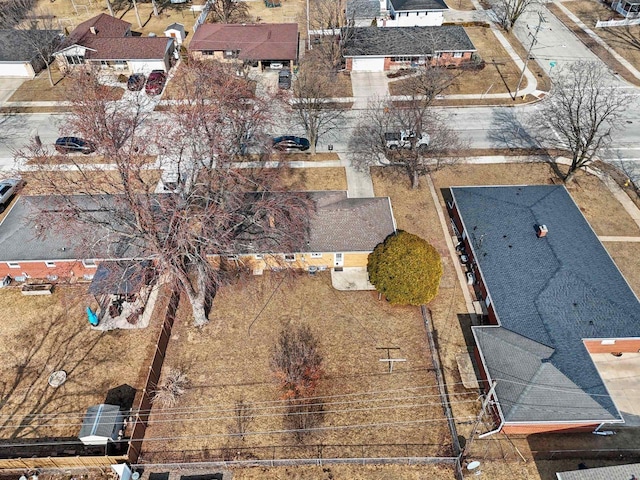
232, 257
74, 59
207, 52
457, 54
89, 263
50, 264
231, 53
404, 59
316, 255
289, 257
13, 265
258, 256
608, 342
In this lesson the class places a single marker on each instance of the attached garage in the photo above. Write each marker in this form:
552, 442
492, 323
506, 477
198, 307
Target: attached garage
368, 64
18, 56
16, 69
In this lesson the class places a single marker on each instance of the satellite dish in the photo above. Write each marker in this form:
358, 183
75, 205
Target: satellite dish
135, 475
473, 465
22, 478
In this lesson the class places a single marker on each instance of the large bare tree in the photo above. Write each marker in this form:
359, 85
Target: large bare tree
370, 147
312, 91
215, 209
508, 12
228, 11
585, 106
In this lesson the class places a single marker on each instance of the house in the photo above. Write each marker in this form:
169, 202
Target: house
19, 56
395, 13
617, 472
627, 8
554, 300
176, 31
101, 425
341, 233
258, 45
375, 49
106, 42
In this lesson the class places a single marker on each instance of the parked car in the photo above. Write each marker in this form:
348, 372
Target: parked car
276, 66
284, 79
136, 82
155, 82
74, 144
288, 143
406, 139
8, 189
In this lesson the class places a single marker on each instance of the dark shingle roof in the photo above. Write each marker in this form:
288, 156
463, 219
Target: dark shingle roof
264, 41
549, 294
100, 421
363, 9
422, 5
126, 48
407, 41
14, 47
104, 25
618, 472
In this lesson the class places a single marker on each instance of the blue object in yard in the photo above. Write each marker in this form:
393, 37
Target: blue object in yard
93, 318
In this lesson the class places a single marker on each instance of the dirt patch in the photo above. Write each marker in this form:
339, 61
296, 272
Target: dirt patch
51, 182
43, 334
592, 45
310, 179
366, 411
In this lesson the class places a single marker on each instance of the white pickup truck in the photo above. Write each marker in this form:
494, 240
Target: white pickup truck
8, 188
405, 139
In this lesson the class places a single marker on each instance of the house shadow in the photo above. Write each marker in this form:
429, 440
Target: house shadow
122, 395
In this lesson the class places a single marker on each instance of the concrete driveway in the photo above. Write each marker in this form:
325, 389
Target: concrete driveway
621, 375
368, 85
8, 86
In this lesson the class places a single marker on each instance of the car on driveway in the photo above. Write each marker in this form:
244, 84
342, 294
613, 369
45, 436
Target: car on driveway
8, 188
136, 82
290, 143
74, 144
284, 79
155, 82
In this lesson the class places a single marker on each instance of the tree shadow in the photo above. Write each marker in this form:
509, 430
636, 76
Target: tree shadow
122, 395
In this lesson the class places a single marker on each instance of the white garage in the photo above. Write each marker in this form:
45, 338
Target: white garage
18, 55
367, 64
16, 70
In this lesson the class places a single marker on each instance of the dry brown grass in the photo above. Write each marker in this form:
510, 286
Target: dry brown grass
348, 472
228, 360
41, 183
626, 255
77, 160
597, 49
334, 178
491, 79
43, 334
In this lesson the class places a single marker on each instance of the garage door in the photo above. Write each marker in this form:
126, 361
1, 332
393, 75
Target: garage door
370, 64
16, 70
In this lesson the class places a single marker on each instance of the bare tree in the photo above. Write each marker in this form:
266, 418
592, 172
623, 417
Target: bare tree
581, 112
37, 30
429, 81
311, 92
369, 141
229, 11
216, 209
509, 11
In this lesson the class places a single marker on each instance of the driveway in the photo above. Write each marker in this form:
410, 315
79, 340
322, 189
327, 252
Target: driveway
8, 86
621, 375
368, 85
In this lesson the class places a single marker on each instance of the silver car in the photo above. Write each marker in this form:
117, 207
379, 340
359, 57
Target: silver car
8, 189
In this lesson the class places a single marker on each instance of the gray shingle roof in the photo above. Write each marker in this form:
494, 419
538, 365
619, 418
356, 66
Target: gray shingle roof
15, 47
422, 5
363, 9
548, 293
100, 421
618, 472
407, 41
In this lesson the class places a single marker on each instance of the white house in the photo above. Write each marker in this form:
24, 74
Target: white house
396, 13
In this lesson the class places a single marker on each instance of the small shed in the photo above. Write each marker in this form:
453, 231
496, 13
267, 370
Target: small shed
176, 31
102, 424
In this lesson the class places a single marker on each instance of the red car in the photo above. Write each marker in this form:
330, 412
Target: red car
155, 82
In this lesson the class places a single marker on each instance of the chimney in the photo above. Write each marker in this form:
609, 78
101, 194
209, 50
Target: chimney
542, 231
93, 30
272, 222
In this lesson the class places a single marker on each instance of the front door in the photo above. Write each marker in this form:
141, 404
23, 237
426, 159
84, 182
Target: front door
338, 260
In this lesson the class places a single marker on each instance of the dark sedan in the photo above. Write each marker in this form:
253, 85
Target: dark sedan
136, 82
289, 143
74, 144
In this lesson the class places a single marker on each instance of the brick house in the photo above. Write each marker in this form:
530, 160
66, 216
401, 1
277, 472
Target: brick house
257, 45
341, 233
106, 42
553, 298
375, 49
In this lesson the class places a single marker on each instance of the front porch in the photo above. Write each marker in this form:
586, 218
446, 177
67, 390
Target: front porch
628, 9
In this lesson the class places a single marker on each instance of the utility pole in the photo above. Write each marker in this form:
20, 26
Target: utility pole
481, 414
534, 40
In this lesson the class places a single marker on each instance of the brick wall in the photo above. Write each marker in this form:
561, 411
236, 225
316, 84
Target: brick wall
631, 345
527, 429
63, 269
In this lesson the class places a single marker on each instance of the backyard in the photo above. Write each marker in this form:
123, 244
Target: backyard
43, 334
366, 411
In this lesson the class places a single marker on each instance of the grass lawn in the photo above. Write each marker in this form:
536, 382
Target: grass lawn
332, 178
51, 182
491, 79
77, 159
228, 360
43, 334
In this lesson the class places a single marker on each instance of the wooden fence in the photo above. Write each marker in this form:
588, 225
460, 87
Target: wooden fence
59, 462
155, 369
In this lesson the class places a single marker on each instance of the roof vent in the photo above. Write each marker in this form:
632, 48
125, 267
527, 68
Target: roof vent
542, 231
93, 30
